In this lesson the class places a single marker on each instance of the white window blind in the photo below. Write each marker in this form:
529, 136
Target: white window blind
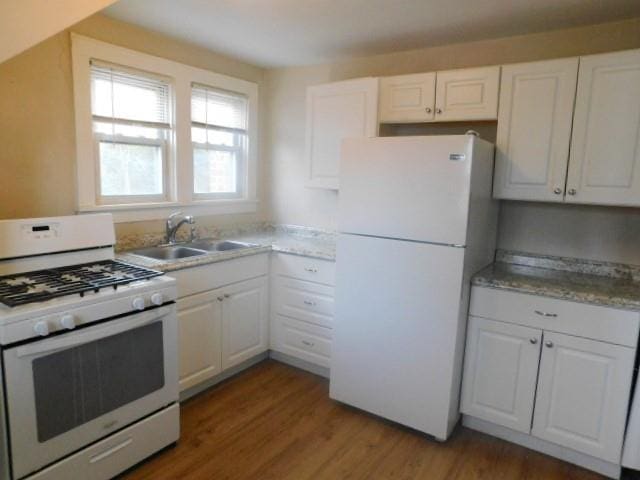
219, 134
131, 124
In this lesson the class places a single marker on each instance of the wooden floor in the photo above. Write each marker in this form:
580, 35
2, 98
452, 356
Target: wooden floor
277, 422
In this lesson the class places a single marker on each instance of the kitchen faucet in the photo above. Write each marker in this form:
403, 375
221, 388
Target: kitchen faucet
172, 228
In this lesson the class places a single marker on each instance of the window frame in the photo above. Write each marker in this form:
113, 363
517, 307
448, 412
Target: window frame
179, 184
240, 136
132, 199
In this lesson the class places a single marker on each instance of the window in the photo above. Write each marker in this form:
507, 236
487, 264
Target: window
130, 113
154, 136
219, 137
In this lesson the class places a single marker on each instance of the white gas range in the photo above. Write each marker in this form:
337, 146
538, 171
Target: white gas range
89, 352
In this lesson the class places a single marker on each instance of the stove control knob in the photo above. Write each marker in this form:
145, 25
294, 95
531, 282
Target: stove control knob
138, 303
68, 321
157, 299
41, 328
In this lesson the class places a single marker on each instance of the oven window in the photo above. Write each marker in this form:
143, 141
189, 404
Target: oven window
79, 384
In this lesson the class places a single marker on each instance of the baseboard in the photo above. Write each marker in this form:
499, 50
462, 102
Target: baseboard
602, 467
299, 363
201, 387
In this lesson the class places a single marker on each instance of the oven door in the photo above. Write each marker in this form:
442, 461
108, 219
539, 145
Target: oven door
68, 391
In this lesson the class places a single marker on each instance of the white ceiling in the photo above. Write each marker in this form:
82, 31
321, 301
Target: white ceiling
273, 33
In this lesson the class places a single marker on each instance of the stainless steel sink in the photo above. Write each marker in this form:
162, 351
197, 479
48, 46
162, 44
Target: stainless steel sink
169, 252
223, 246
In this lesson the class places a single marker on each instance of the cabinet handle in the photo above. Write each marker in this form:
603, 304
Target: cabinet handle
572, 191
545, 314
428, 109
557, 190
533, 341
310, 303
311, 270
438, 111
549, 343
220, 299
307, 343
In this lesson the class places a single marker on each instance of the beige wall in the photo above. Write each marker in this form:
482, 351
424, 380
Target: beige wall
613, 233
25, 23
37, 153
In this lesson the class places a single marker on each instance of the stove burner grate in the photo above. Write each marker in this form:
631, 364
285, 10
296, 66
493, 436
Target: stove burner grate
42, 285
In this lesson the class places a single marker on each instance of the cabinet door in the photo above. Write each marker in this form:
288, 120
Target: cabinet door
501, 364
534, 129
604, 165
469, 94
583, 394
244, 321
408, 98
200, 338
336, 111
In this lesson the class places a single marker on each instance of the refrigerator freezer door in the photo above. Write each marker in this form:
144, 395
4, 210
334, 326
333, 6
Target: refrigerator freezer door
397, 320
413, 188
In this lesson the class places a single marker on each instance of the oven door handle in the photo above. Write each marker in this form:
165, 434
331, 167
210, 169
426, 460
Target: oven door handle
113, 328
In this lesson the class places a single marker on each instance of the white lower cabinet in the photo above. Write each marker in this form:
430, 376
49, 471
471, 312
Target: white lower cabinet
583, 394
226, 324
245, 321
522, 373
199, 330
302, 308
501, 367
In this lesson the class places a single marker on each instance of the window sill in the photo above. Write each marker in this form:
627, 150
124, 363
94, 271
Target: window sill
160, 211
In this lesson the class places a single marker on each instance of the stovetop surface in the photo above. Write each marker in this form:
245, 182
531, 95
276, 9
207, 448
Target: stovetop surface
42, 285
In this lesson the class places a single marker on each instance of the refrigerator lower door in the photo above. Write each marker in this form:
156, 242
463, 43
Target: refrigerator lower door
397, 324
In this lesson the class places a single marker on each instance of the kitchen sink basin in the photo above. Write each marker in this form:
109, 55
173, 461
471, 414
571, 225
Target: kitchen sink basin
170, 252
218, 246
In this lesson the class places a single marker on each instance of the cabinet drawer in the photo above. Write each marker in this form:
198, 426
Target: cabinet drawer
114, 454
214, 275
573, 318
306, 301
303, 268
302, 340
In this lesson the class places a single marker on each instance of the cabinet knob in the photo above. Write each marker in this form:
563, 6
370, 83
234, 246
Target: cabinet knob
226, 295
572, 191
557, 190
428, 109
438, 111
220, 299
533, 341
548, 344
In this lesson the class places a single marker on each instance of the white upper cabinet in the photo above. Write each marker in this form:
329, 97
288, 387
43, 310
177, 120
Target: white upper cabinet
583, 394
450, 96
408, 98
467, 94
534, 129
336, 111
604, 166
501, 367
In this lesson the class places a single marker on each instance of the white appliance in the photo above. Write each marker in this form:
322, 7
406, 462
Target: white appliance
416, 220
89, 352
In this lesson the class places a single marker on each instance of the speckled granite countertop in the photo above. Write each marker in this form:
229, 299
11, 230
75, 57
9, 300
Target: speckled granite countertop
293, 240
598, 283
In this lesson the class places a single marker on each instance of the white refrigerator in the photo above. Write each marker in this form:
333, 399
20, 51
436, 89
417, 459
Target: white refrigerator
416, 220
